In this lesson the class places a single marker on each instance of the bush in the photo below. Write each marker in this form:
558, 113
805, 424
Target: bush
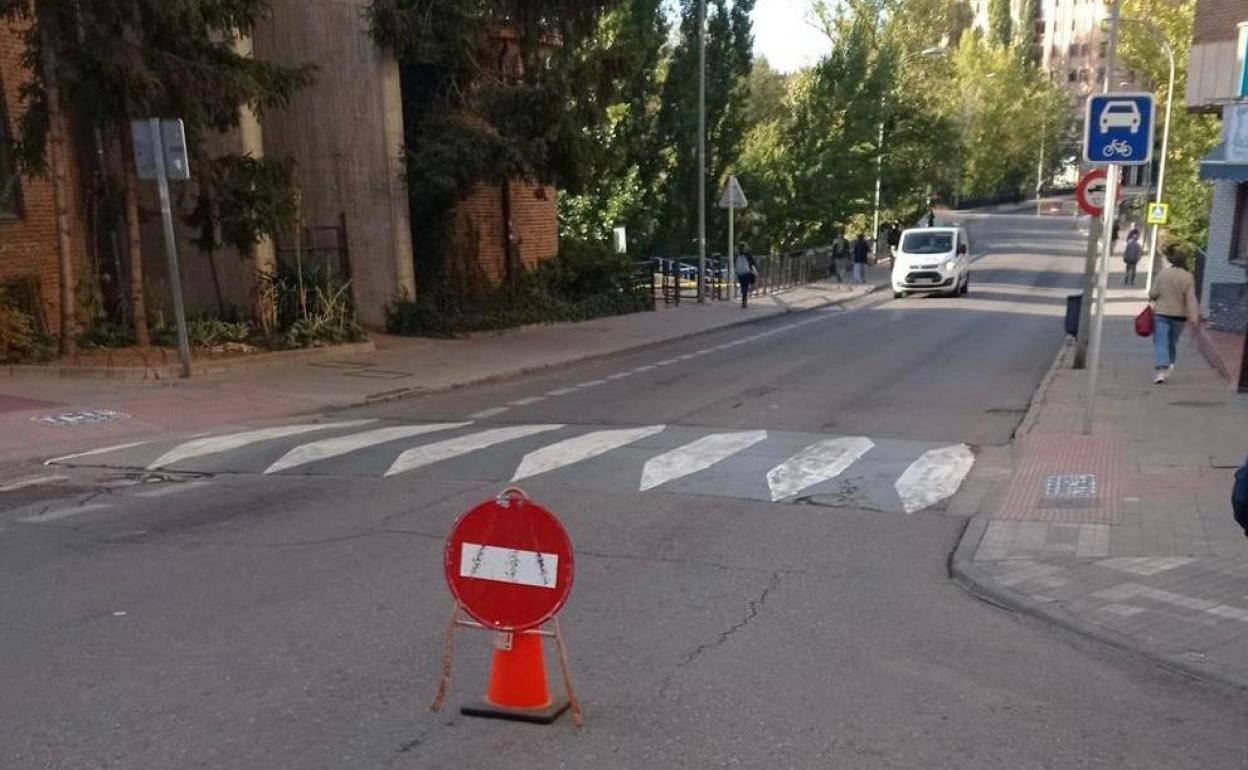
585, 281
17, 335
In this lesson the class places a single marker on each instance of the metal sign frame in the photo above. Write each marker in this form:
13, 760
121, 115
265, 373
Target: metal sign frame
1119, 145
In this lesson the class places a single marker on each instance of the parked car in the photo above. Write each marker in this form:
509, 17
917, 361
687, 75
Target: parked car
932, 260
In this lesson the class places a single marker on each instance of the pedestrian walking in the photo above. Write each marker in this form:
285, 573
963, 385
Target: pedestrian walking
862, 251
894, 238
1133, 232
840, 258
931, 217
1174, 305
747, 272
1113, 238
1131, 257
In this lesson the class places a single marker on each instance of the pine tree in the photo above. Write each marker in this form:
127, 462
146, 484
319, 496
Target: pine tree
1001, 23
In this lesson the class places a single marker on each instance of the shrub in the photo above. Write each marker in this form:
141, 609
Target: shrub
585, 281
17, 335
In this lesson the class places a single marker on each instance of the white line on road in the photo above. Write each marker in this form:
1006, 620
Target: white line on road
574, 450
934, 476
508, 565
170, 489
217, 444
646, 368
620, 375
665, 362
527, 401
100, 451
561, 392
64, 513
420, 456
591, 384
696, 456
333, 447
485, 414
31, 481
817, 463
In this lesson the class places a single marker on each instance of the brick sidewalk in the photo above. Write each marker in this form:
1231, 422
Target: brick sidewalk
398, 367
1126, 534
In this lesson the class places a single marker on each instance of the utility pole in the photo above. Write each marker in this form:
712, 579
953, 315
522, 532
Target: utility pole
1111, 211
701, 150
1089, 285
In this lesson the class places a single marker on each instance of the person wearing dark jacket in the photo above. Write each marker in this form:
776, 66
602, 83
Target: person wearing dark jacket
1239, 497
862, 250
747, 272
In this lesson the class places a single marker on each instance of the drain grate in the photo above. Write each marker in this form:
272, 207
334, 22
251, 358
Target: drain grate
1070, 490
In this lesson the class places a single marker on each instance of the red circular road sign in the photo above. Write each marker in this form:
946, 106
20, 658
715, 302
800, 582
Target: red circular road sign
509, 563
1090, 192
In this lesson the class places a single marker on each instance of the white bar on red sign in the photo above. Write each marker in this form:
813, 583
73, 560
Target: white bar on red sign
508, 565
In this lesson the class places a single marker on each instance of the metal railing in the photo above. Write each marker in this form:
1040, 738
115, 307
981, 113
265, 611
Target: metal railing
676, 278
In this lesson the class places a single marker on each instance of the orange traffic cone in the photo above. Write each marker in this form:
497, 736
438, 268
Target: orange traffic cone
518, 688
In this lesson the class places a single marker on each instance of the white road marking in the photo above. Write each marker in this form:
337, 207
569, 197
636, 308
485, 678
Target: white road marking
420, 456
688, 356
487, 413
100, 451
561, 392
591, 384
169, 489
934, 476
508, 565
645, 368
32, 481
333, 447
64, 513
665, 362
696, 456
527, 401
578, 448
620, 375
216, 444
817, 463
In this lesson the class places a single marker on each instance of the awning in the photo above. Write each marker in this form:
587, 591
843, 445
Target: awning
1216, 166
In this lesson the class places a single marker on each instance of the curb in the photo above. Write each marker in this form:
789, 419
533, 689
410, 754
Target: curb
174, 371
966, 575
417, 390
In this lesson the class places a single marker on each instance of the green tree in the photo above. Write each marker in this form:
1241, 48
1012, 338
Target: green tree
1192, 136
118, 60
1000, 23
729, 58
1025, 34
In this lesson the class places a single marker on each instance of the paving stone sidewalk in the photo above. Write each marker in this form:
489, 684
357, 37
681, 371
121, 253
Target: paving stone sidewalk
99, 412
1126, 534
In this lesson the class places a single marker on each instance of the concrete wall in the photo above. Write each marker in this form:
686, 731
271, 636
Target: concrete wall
28, 247
345, 132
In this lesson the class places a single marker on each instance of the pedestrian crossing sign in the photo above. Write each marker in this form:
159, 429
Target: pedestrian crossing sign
1158, 213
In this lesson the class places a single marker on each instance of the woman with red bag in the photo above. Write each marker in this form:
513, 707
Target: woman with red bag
1174, 298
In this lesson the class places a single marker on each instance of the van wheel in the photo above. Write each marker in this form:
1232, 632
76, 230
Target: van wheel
966, 284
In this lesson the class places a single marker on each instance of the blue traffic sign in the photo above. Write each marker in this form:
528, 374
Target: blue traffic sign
1118, 128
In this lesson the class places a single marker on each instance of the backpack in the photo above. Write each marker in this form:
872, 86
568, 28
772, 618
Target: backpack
1131, 254
1239, 497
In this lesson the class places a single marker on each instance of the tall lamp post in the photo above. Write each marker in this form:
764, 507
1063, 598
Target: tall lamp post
701, 152
935, 50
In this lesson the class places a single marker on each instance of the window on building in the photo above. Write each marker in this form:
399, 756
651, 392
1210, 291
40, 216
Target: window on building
8, 176
1239, 236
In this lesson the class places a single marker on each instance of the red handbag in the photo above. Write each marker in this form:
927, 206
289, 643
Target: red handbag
1144, 322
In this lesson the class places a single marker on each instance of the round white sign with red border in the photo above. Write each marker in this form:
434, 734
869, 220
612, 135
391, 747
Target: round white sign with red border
509, 563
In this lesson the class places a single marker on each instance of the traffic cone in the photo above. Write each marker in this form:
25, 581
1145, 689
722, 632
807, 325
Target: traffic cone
518, 688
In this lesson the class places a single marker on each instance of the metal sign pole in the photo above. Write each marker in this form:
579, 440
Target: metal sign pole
171, 247
1102, 286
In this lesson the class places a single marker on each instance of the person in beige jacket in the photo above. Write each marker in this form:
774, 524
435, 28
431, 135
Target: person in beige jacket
1174, 298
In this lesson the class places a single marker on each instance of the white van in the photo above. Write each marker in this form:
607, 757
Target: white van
932, 260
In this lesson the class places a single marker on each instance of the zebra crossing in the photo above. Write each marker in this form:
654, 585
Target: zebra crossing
775, 466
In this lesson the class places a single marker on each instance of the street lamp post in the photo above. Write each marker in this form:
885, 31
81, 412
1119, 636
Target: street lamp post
701, 151
934, 50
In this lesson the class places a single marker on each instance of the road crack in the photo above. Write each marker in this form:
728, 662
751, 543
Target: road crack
752, 609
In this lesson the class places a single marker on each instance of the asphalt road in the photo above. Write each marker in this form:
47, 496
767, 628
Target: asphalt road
207, 614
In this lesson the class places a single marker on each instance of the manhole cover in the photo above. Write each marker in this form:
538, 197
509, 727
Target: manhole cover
1070, 490
82, 417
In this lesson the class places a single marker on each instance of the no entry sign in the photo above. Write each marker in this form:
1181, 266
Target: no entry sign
509, 563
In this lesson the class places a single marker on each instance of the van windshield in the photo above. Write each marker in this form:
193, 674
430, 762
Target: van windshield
927, 243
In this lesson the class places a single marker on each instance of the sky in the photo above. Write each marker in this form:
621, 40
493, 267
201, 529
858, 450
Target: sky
783, 34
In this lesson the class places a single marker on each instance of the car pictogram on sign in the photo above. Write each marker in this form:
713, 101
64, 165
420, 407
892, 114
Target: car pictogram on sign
1120, 114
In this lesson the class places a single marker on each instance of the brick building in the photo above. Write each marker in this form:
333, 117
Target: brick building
1217, 82
29, 271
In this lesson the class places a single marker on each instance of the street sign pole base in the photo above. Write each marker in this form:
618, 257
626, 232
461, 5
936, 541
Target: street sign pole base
542, 716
